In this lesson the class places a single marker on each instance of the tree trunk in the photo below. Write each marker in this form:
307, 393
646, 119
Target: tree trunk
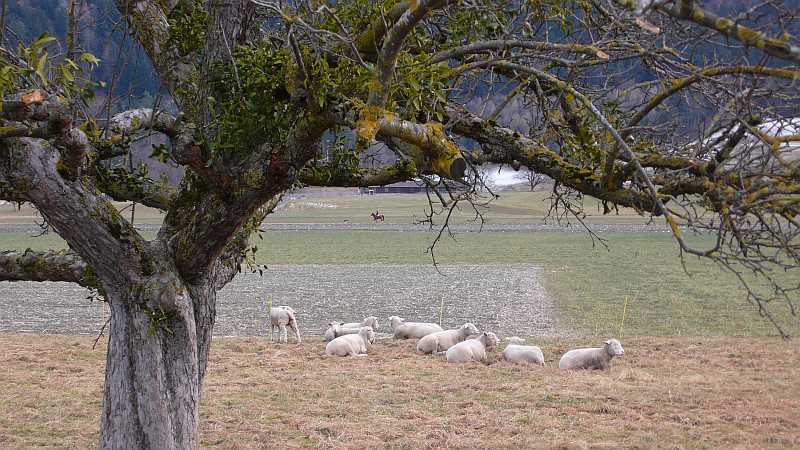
154, 368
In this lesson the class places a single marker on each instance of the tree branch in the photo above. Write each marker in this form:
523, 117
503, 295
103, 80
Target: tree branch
387, 58
507, 44
135, 120
121, 185
381, 176
38, 106
431, 148
679, 84
45, 266
688, 10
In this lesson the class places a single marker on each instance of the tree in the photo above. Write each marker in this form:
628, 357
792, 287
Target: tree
258, 85
531, 178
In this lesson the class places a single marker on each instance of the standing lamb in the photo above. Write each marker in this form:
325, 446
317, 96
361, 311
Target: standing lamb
592, 358
516, 352
351, 344
280, 317
411, 330
472, 349
442, 340
370, 321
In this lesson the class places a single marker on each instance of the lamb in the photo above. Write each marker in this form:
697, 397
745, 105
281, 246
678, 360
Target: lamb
370, 321
592, 358
280, 317
516, 352
351, 344
443, 340
411, 330
472, 349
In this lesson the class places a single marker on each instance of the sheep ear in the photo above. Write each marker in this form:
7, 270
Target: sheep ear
608, 342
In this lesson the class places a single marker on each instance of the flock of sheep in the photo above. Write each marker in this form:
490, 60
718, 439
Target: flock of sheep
464, 344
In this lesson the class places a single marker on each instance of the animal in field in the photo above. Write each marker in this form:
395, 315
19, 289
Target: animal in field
351, 344
472, 349
517, 352
377, 216
411, 330
592, 358
281, 317
443, 340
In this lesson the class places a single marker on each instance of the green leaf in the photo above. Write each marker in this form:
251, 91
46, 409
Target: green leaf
40, 66
90, 58
42, 40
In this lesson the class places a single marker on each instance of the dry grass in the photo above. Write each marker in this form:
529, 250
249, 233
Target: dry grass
665, 392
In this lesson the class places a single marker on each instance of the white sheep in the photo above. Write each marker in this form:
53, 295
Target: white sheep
472, 349
330, 333
351, 344
411, 330
370, 321
336, 329
592, 358
280, 317
442, 340
516, 352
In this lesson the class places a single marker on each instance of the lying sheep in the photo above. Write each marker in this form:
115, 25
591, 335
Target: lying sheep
592, 358
280, 317
336, 329
442, 340
351, 344
472, 349
330, 333
411, 330
370, 321
516, 352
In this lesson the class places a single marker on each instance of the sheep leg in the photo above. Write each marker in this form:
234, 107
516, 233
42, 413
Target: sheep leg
282, 332
294, 328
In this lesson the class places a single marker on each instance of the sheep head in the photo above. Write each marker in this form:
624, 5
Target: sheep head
367, 334
613, 347
395, 321
469, 329
489, 339
371, 321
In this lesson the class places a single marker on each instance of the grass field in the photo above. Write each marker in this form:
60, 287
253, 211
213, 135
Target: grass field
318, 207
511, 207
589, 285
664, 393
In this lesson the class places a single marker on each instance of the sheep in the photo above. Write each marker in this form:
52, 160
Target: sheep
336, 329
351, 344
280, 317
370, 321
442, 340
411, 330
592, 358
330, 333
472, 349
515, 352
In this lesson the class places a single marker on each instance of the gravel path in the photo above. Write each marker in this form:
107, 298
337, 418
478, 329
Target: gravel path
506, 299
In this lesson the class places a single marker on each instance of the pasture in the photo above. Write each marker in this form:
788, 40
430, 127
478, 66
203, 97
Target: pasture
672, 392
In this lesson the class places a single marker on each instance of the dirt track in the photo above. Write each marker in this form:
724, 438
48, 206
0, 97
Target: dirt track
507, 299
